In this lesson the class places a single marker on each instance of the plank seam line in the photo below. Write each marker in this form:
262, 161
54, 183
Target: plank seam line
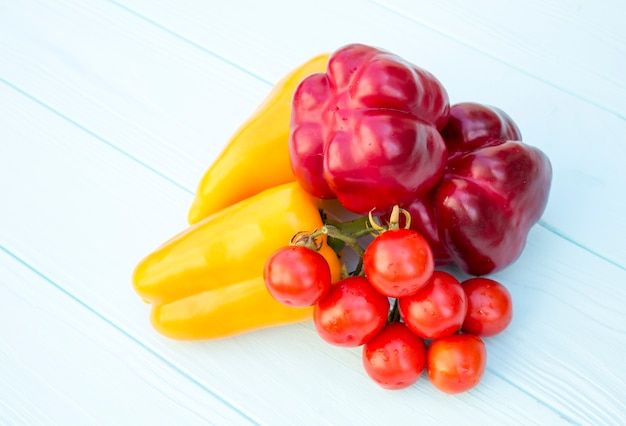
497, 59
192, 192
188, 376
538, 401
95, 135
128, 334
191, 42
556, 232
395, 12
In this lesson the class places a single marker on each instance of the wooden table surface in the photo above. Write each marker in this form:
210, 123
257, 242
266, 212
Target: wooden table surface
111, 111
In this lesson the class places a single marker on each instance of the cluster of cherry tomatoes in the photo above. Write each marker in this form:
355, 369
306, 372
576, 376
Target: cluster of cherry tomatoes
406, 315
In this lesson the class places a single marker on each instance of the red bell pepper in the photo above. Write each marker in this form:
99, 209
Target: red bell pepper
366, 130
493, 190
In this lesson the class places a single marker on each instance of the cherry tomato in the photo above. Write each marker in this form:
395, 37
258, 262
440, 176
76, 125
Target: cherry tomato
297, 276
489, 307
436, 311
395, 357
398, 262
351, 313
456, 363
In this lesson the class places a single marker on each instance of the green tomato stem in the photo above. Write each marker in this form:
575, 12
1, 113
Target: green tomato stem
348, 239
356, 228
337, 239
394, 315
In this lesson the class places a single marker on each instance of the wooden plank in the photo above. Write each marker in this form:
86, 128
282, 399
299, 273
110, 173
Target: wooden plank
63, 363
575, 46
159, 100
173, 124
560, 299
99, 154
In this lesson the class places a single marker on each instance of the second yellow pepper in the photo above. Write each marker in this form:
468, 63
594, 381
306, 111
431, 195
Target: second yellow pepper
207, 281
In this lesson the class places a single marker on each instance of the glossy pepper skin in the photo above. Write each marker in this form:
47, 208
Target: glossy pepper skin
207, 281
256, 156
493, 190
366, 130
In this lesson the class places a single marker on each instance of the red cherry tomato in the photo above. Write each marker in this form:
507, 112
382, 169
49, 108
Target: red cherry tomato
489, 307
297, 276
436, 311
456, 363
398, 262
351, 313
395, 357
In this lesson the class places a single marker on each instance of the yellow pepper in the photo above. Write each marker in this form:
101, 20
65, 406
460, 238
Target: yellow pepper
207, 281
257, 156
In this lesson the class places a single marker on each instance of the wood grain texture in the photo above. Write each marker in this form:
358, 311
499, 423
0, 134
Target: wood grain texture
185, 100
57, 369
110, 113
577, 47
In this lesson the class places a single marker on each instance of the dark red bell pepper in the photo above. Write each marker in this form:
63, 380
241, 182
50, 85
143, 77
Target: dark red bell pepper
493, 190
366, 130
